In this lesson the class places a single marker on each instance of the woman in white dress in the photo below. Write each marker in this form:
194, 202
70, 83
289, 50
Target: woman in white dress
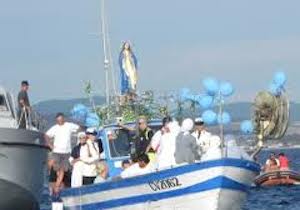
163, 142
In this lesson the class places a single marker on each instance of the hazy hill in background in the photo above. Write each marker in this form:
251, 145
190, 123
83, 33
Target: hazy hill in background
239, 111
49, 108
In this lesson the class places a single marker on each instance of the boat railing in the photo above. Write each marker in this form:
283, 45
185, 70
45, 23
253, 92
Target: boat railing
33, 120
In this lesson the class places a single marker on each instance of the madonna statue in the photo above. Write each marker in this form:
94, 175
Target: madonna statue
128, 67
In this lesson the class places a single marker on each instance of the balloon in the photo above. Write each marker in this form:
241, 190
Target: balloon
211, 86
275, 89
224, 119
209, 117
190, 97
226, 89
79, 112
205, 101
247, 127
185, 93
279, 79
92, 120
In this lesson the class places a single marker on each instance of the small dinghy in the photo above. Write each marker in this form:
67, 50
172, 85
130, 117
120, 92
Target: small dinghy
276, 178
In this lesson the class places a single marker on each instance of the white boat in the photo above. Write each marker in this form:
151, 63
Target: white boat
213, 185
219, 184
23, 155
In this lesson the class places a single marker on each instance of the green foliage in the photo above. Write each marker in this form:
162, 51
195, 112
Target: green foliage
88, 88
144, 105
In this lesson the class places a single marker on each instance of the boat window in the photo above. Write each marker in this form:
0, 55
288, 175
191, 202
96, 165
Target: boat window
3, 106
119, 143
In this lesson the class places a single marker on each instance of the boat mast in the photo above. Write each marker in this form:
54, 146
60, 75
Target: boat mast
106, 61
110, 83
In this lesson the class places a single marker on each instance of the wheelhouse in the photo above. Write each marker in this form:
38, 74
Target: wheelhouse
117, 144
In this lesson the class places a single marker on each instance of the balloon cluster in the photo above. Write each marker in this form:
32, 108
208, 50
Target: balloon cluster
278, 83
82, 114
215, 93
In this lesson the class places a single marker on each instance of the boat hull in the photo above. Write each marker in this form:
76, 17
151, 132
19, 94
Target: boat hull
211, 185
22, 159
277, 178
15, 197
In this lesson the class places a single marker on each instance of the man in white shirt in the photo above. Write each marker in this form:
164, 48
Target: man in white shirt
61, 134
202, 136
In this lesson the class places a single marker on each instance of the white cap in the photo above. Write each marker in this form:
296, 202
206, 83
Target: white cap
109, 132
91, 131
187, 125
199, 120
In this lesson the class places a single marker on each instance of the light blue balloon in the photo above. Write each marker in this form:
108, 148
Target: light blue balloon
79, 112
211, 86
205, 101
279, 79
92, 120
226, 89
185, 93
79, 108
247, 127
190, 97
209, 117
224, 119
275, 90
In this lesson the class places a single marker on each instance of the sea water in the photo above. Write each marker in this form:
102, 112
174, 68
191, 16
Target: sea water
259, 198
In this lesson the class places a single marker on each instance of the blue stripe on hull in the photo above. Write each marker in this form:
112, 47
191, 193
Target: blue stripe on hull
130, 182
215, 183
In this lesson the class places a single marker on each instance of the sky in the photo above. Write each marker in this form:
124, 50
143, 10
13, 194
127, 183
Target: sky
56, 44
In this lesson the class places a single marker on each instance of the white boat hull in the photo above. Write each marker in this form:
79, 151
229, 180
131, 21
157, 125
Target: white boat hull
211, 185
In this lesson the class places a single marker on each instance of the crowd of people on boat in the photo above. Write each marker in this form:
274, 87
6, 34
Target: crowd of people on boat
173, 144
84, 164
276, 162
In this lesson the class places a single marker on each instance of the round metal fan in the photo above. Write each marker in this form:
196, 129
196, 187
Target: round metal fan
271, 115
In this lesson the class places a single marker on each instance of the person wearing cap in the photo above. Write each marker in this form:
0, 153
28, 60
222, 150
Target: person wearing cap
186, 146
90, 155
77, 164
23, 104
61, 134
202, 136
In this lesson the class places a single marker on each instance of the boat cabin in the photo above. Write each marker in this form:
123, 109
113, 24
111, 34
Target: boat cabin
117, 144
